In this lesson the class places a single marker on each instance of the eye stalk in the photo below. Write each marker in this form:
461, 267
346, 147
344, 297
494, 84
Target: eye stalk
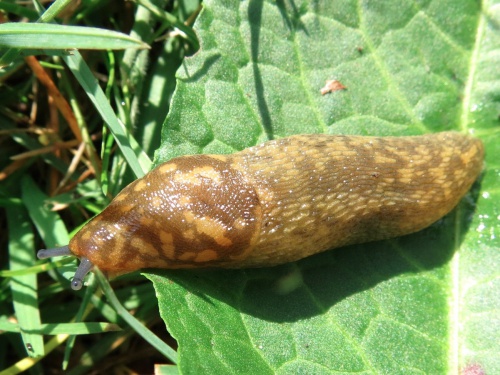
55, 252
83, 269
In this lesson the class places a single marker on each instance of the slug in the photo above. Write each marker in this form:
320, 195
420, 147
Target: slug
277, 202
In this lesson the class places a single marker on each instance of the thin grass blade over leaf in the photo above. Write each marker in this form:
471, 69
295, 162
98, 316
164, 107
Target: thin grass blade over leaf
43, 36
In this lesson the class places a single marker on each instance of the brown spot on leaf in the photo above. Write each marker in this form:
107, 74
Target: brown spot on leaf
331, 86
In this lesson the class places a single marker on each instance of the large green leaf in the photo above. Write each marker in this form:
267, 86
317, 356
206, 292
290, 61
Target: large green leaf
422, 304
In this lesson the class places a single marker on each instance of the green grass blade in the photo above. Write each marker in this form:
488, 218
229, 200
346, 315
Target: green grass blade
51, 36
55, 9
48, 223
170, 19
18, 10
137, 159
24, 288
62, 328
149, 336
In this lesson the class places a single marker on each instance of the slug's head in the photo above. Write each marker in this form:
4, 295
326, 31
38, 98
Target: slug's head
192, 212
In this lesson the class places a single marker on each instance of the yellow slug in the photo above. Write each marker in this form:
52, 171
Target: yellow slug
277, 202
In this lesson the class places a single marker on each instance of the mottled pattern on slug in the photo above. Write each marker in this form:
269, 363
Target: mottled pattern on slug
280, 201
191, 211
320, 192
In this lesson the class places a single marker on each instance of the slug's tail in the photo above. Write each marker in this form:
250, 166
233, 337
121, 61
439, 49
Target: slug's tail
83, 269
